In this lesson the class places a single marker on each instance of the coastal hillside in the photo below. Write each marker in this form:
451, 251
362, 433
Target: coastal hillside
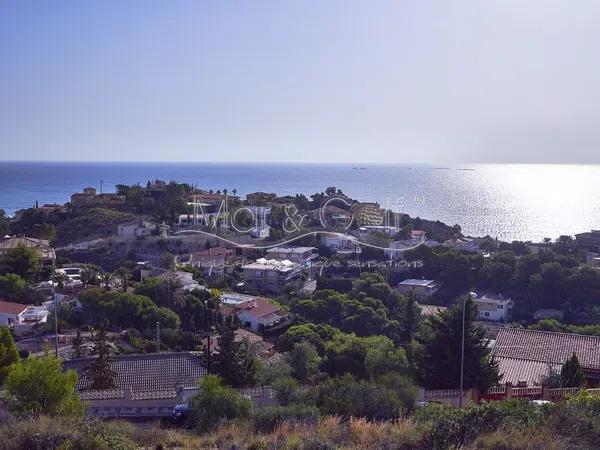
91, 224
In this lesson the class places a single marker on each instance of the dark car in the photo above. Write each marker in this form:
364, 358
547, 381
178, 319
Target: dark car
181, 412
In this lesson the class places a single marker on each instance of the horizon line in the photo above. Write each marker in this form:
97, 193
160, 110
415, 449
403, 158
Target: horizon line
441, 165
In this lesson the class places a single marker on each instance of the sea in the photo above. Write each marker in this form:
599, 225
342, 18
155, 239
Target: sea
510, 202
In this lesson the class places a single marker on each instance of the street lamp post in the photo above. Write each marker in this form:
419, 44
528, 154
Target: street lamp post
462, 356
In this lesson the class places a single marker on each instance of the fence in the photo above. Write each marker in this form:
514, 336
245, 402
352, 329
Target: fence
531, 393
452, 396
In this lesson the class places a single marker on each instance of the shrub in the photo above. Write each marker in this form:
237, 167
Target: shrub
39, 386
346, 396
216, 403
267, 418
443, 426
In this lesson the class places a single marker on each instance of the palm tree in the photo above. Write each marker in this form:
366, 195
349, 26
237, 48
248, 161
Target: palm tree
106, 278
89, 274
234, 191
59, 278
124, 275
225, 191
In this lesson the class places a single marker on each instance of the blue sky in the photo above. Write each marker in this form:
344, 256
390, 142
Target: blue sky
397, 81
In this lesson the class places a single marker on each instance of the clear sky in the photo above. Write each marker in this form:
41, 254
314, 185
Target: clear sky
323, 80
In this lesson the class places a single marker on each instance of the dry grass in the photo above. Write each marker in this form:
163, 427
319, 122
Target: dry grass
330, 433
519, 440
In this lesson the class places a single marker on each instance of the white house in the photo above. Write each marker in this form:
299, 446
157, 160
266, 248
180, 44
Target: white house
300, 255
135, 229
10, 313
17, 315
420, 288
255, 313
341, 243
260, 228
270, 274
492, 307
362, 232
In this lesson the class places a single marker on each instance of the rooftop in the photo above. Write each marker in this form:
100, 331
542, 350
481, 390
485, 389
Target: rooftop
271, 264
11, 308
291, 249
548, 347
516, 370
415, 282
149, 372
260, 307
7, 242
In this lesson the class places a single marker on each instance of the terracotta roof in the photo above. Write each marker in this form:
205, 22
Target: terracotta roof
150, 372
260, 307
515, 370
548, 347
11, 308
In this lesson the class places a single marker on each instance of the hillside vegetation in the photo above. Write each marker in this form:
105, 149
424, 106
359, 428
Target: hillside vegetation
91, 224
513, 424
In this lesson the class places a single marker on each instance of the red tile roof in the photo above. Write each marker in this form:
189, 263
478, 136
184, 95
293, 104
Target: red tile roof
547, 347
11, 308
515, 370
260, 307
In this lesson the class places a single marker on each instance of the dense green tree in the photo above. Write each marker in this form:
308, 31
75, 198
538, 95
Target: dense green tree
125, 310
23, 261
409, 316
172, 203
8, 352
167, 260
235, 363
347, 397
304, 360
100, 372
571, 374
440, 360
316, 334
11, 285
215, 403
363, 357
39, 386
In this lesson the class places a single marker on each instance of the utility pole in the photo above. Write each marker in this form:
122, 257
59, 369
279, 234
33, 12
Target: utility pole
209, 352
157, 336
462, 356
55, 320
101, 185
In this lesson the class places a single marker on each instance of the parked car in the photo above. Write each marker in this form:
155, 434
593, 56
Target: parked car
181, 412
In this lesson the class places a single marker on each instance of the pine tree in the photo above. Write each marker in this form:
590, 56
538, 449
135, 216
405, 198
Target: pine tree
8, 352
440, 359
410, 318
224, 363
100, 373
77, 346
571, 374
